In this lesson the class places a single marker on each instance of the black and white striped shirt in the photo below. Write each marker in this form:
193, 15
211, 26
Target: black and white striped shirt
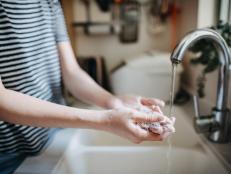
29, 63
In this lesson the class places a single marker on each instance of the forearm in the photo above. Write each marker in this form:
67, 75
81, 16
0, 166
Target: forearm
80, 84
26, 110
84, 88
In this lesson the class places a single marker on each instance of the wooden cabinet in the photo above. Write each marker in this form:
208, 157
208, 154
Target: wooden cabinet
68, 9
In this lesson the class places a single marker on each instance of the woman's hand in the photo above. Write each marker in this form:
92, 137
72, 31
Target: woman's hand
131, 100
124, 122
136, 102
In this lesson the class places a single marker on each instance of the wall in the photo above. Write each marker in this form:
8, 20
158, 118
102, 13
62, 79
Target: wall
187, 20
206, 17
110, 47
193, 14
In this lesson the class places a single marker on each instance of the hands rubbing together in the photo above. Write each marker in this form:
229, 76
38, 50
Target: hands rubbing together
140, 119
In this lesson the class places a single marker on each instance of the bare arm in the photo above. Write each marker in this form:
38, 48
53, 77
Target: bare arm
22, 109
79, 83
82, 86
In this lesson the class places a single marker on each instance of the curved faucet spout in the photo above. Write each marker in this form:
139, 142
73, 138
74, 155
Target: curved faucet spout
223, 76
192, 37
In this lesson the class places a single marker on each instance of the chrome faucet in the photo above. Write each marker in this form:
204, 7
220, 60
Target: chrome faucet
217, 124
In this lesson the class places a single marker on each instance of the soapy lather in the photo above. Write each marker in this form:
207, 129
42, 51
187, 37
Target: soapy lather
157, 127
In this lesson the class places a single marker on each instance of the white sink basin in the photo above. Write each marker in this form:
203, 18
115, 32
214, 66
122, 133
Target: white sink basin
147, 160
95, 152
184, 137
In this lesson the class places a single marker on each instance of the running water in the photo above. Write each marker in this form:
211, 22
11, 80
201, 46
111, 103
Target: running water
172, 91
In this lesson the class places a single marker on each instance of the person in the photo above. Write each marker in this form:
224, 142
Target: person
36, 60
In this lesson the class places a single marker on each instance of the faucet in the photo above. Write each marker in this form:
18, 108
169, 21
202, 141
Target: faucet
216, 125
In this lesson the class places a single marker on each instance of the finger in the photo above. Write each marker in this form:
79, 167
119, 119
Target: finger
158, 130
144, 109
137, 132
155, 108
169, 128
152, 101
144, 126
147, 118
153, 137
144, 135
165, 121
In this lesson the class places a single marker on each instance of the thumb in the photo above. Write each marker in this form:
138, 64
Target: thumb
155, 108
152, 101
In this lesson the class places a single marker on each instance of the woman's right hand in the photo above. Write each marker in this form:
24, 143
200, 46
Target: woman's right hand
123, 122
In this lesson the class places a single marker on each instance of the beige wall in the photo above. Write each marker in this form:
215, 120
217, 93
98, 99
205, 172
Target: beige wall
110, 47
114, 52
206, 17
193, 14
188, 16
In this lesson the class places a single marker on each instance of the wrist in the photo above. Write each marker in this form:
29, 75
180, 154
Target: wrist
103, 118
106, 120
114, 103
94, 119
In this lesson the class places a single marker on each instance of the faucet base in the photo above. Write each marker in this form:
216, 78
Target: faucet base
222, 134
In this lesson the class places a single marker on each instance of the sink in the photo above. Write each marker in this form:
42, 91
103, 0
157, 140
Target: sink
180, 138
146, 160
96, 152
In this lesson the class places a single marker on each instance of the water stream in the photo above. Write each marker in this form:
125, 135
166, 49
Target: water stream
172, 88
169, 141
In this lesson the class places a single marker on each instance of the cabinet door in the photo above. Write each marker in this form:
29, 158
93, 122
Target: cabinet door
68, 10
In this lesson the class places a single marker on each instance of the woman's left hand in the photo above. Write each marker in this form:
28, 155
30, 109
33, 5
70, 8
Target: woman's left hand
137, 102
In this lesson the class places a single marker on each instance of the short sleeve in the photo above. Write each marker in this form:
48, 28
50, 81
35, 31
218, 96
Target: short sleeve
59, 22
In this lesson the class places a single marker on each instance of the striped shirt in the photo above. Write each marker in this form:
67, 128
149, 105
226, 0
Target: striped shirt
29, 63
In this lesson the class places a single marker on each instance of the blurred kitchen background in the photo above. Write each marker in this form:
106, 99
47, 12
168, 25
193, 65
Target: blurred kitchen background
108, 35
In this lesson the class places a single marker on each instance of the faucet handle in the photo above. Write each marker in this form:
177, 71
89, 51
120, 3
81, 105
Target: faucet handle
196, 106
